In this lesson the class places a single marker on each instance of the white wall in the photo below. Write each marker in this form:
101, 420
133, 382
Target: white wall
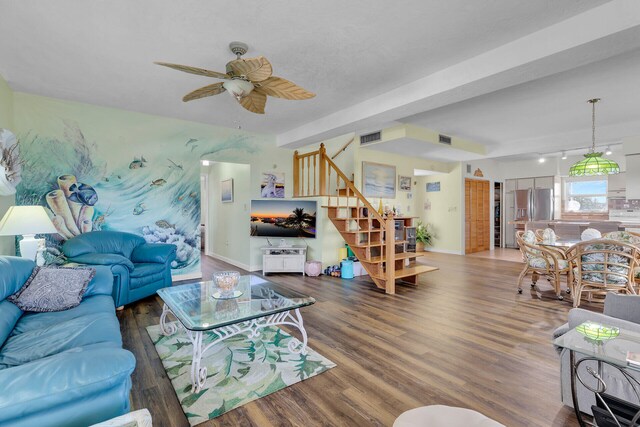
229, 222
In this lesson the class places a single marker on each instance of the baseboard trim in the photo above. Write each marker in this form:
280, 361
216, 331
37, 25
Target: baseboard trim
230, 261
445, 251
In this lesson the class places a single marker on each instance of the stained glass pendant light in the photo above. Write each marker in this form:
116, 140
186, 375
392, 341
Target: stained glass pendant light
593, 162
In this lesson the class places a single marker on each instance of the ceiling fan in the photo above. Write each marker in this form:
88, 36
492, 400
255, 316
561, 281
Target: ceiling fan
249, 81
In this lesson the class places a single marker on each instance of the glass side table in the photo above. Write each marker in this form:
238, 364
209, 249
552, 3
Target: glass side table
613, 353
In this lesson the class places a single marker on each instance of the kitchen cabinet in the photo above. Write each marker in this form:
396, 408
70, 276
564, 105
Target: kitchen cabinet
616, 186
633, 176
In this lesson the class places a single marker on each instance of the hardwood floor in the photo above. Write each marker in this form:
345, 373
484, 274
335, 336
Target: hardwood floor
461, 337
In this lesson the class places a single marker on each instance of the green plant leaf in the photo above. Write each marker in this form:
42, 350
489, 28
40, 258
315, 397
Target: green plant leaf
305, 368
193, 398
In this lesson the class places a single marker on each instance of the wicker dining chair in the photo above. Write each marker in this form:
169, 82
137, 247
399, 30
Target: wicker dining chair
539, 232
601, 266
634, 239
541, 261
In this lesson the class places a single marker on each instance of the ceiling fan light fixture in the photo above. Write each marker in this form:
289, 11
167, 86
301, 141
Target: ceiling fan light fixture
238, 88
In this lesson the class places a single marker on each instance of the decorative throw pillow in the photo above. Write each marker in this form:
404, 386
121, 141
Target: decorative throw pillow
53, 289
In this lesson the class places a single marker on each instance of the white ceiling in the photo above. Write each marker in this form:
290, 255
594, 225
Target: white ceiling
549, 114
101, 52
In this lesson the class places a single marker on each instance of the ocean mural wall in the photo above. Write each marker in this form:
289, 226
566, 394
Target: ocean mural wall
96, 168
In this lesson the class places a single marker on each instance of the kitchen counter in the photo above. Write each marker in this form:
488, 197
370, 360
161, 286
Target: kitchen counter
623, 224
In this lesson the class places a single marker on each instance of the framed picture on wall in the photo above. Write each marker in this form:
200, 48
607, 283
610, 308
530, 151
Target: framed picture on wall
226, 191
272, 185
378, 180
404, 183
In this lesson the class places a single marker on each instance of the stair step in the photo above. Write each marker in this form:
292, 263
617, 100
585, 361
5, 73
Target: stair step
401, 255
414, 270
360, 231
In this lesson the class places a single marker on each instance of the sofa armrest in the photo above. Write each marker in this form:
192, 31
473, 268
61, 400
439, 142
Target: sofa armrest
160, 253
61, 379
102, 282
560, 331
625, 307
103, 259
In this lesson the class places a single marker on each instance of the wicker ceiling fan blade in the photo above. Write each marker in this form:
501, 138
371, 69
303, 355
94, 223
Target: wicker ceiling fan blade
283, 88
194, 70
255, 69
205, 91
254, 102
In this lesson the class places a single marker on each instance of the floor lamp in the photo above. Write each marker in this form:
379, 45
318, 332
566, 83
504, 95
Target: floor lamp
27, 221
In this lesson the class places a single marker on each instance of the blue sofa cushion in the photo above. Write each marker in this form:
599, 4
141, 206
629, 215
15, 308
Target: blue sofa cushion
60, 337
154, 252
104, 242
14, 271
9, 315
62, 379
145, 273
103, 259
90, 306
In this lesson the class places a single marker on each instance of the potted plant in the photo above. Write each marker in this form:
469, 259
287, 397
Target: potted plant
423, 236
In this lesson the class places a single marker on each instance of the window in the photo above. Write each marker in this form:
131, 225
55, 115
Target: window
585, 195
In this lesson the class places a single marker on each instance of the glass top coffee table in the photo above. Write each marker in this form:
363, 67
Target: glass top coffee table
259, 303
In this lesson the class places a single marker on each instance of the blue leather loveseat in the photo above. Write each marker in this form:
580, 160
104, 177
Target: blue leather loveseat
139, 268
64, 368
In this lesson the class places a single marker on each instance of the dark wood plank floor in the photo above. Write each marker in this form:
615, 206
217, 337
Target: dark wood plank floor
461, 337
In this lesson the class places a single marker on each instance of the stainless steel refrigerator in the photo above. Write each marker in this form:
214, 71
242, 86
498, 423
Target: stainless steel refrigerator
534, 204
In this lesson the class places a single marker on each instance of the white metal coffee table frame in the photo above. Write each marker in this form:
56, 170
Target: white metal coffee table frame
253, 326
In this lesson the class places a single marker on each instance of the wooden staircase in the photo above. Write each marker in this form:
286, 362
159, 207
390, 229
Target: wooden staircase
361, 226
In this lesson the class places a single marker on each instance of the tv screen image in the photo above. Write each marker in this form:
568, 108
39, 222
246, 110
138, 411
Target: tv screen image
283, 218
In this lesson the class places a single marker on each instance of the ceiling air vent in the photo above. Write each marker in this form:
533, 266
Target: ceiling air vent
370, 137
444, 139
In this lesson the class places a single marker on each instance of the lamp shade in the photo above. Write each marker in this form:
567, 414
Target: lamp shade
594, 164
26, 220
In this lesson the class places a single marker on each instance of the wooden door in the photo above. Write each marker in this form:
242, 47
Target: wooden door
477, 215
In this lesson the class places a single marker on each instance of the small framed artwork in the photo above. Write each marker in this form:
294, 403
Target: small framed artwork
433, 187
272, 185
404, 183
226, 191
379, 180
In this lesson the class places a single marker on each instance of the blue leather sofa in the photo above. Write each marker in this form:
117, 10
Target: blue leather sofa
139, 268
64, 368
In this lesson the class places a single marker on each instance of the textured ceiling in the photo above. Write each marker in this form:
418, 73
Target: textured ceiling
101, 52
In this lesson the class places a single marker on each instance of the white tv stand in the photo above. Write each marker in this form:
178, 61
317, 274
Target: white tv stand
283, 259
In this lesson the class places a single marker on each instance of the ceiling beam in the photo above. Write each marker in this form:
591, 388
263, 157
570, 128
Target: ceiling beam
594, 35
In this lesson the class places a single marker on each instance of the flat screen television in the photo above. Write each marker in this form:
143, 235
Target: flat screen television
283, 218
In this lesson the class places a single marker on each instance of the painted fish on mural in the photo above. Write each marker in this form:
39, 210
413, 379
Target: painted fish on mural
174, 165
101, 219
165, 224
158, 182
139, 209
83, 193
193, 194
137, 163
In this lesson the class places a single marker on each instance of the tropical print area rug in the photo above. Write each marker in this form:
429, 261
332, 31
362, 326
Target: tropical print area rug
239, 369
